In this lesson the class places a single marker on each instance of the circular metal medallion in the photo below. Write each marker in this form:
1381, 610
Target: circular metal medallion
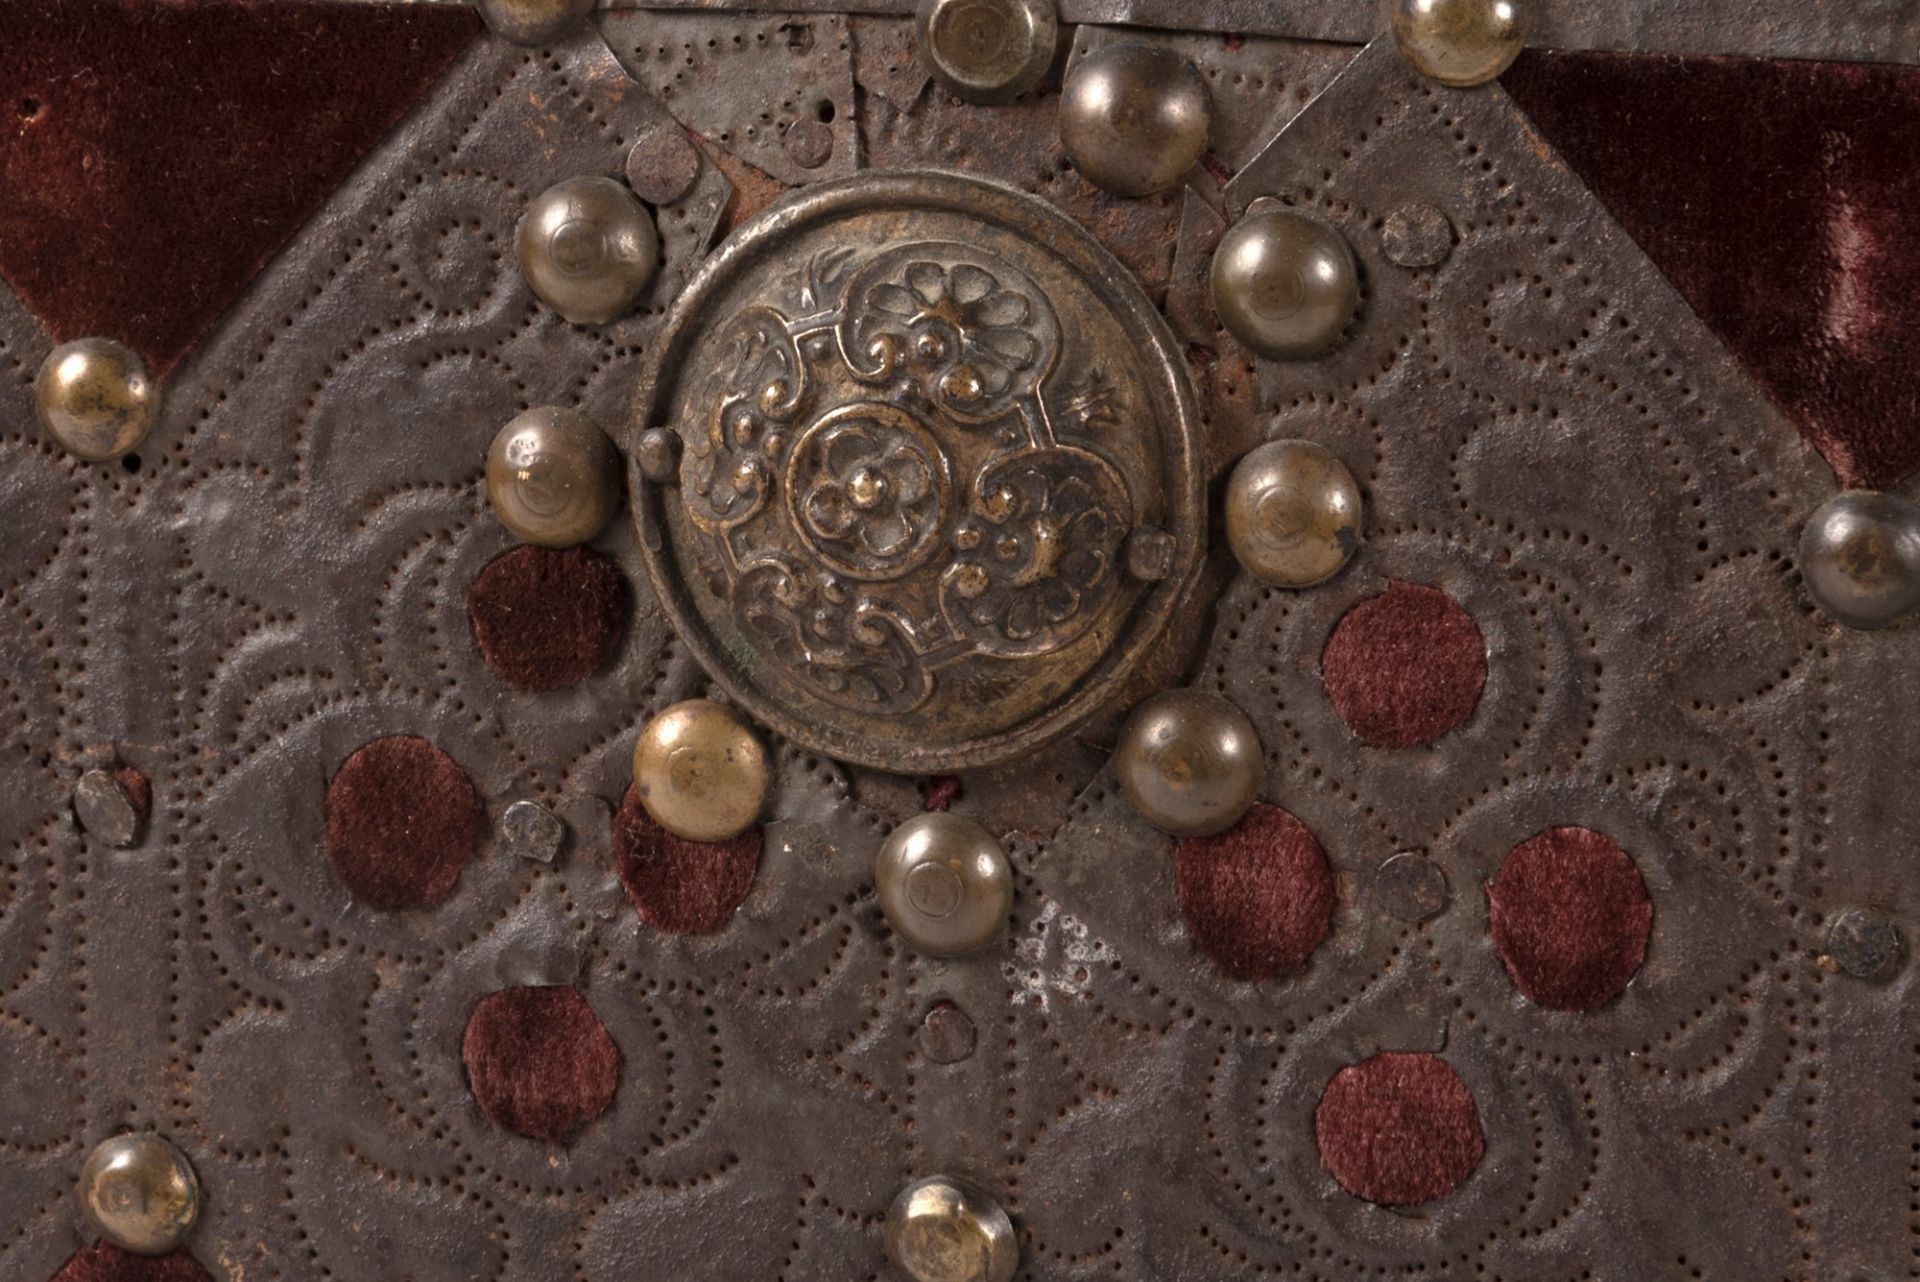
921, 419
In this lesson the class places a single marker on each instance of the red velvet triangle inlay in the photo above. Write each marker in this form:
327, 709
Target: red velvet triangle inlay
1782, 199
155, 154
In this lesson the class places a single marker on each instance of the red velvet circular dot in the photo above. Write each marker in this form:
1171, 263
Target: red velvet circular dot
548, 619
1257, 898
1399, 1129
102, 1262
1570, 917
402, 821
1405, 667
683, 887
539, 1061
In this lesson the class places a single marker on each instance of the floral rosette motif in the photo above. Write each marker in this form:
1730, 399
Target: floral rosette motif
868, 487
849, 649
972, 331
728, 469
1036, 560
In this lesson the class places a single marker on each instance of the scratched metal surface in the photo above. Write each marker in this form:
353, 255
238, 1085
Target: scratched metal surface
1542, 429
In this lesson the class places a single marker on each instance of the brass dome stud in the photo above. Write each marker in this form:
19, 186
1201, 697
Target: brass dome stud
534, 22
1459, 42
1285, 283
1190, 763
701, 772
1293, 514
988, 51
94, 397
588, 249
1860, 558
140, 1193
945, 884
941, 1229
553, 477
1135, 118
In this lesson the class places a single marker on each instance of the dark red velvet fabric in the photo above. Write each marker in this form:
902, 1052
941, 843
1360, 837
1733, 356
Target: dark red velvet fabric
1257, 898
104, 1263
1782, 199
1399, 1129
402, 821
682, 887
941, 791
1571, 918
139, 790
155, 154
539, 1061
1405, 667
547, 619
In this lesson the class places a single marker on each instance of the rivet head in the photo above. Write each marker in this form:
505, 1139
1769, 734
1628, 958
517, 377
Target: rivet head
701, 772
1417, 236
947, 1034
531, 831
140, 1193
588, 249
1411, 888
658, 452
105, 810
553, 477
1293, 513
809, 143
1135, 117
1285, 283
1190, 763
988, 51
1860, 557
1867, 946
1459, 42
663, 164
1150, 554
534, 22
945, 884
942, 1229
94, 397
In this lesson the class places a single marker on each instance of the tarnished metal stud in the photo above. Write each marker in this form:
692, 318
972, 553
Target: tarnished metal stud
701, 772
1860, 557
531, 831
658, 451
944, 883
942, 1229
588, 248
553, 477
1190, 763
809, 142
140, 1193
663, 164
1150, 554
1459, 42
988, 51
947, 1034
1411, 888
94, 397
1293, 513
105, 810
534, 22
1417, 236
1135, 117
1867, 946
1285, 283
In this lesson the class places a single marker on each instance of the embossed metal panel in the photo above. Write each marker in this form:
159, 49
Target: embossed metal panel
1543, 431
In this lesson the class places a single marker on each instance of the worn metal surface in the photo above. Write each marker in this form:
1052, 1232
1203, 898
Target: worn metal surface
1542, 429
